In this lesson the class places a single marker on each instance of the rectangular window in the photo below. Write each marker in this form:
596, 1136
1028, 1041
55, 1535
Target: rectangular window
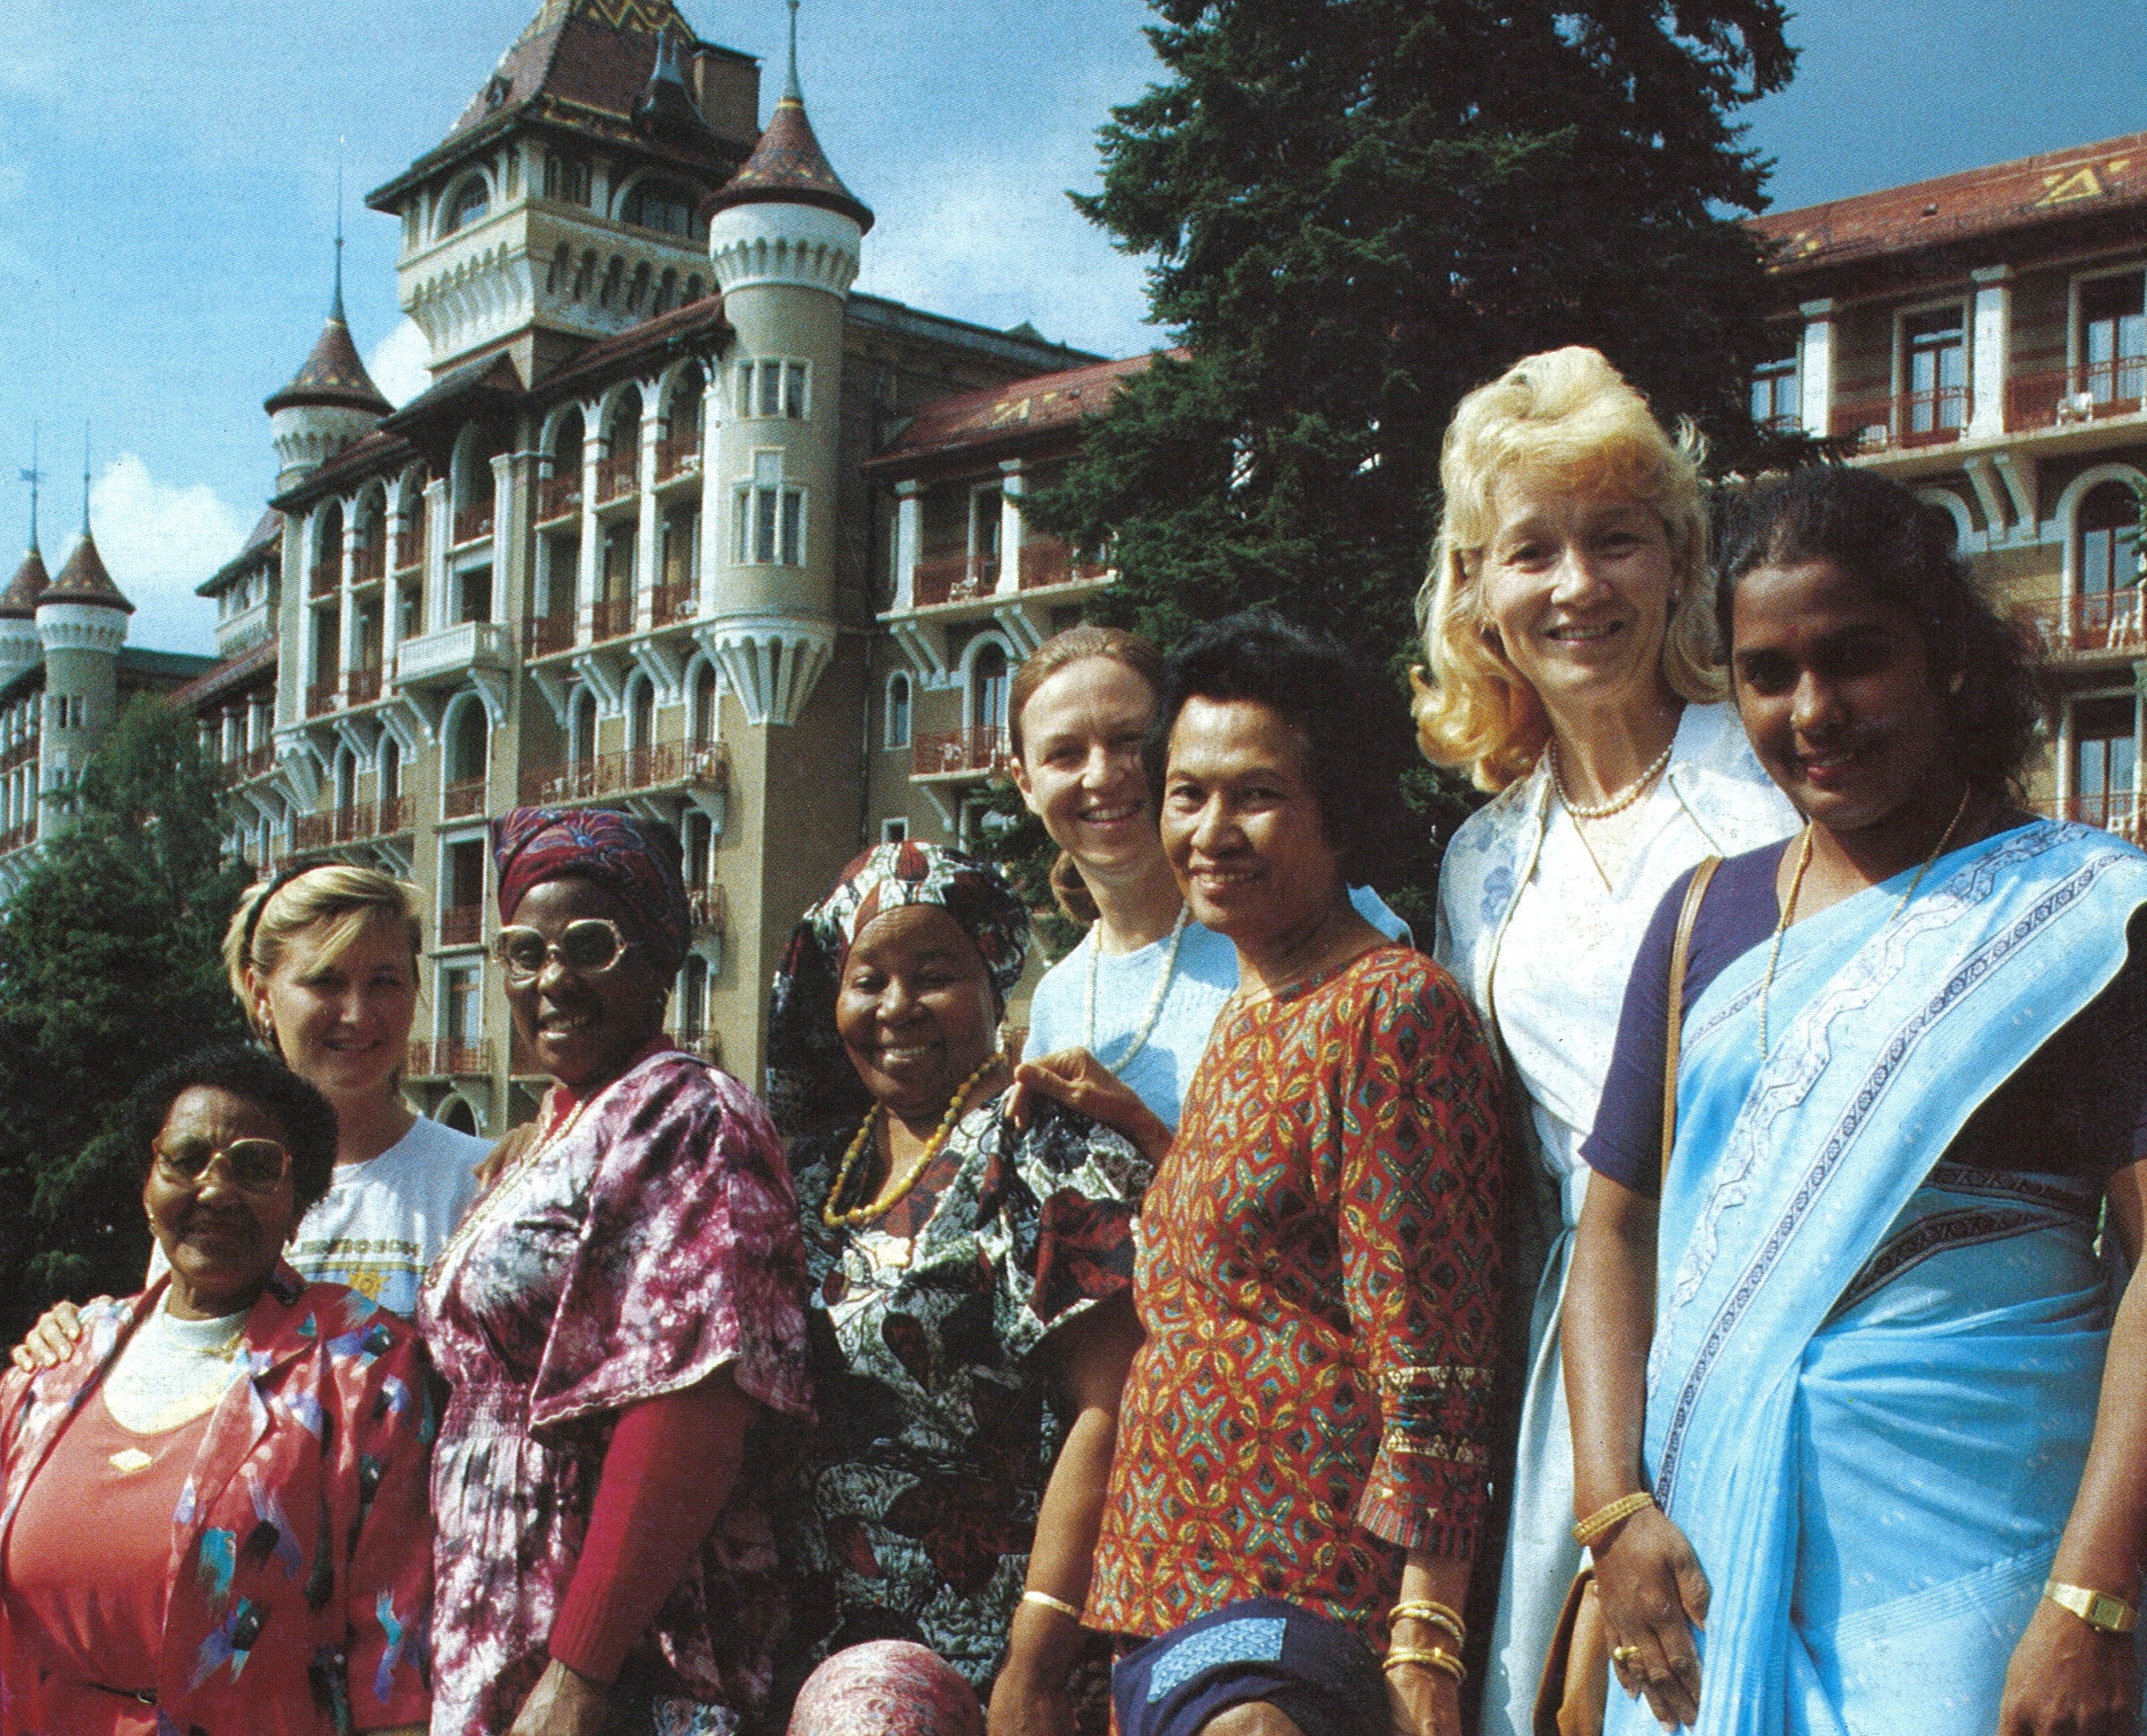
773, 390
1935, 367
2104, 761
894, 831
473, 594
2113, 337
771, 526
566, 180
1776, 406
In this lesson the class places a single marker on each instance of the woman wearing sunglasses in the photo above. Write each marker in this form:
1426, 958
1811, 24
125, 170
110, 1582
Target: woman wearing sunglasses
613, 1317
253, 1447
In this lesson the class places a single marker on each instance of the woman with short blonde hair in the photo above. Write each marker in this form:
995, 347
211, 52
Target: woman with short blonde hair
1567, 626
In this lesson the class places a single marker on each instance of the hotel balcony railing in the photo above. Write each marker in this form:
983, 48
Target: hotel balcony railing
325, 580
677, 455
449, 654
20, 753
542, 635
705, 904
616, 478
321, 698
236, 770
559, 497
2113, 810
364, 685
613, 617
954, 578
473, 524
671, 603
959, 753
461, 925
1907, 420
451, 1058
2063, 396
368, 564
701, 764
1049, 561
2081, 623
409, 548
18, 837
707, 1044
346, 825
463, 799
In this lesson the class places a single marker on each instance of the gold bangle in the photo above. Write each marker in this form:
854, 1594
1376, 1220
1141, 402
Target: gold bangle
1426, 1609
1046, 1601
1600, 1522
1437, 1656
2102, 1610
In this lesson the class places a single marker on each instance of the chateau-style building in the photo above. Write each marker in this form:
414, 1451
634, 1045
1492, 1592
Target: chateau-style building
1983, 338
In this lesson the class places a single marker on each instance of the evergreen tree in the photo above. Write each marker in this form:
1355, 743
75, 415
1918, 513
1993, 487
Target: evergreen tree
1360, 209
109, 968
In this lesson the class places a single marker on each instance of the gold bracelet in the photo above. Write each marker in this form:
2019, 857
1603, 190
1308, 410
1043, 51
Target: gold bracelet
1428, 1609
2102, 1610
1437, 1656
1046, 1601
1600, 1522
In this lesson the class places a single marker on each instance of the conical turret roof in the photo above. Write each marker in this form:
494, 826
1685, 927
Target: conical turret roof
333, 374
19, 601
84, 579
787, 167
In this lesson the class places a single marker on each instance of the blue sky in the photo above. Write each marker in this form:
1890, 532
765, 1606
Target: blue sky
168, 177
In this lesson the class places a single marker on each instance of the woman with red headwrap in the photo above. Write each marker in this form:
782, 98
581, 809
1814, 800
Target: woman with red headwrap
612, 1317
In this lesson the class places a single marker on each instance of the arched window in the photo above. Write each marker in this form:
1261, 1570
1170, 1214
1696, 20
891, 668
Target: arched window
898, 712
346, 780
988, 683
662, 205
702, 717
457, 1113
2105, 565
470, 200
581, 735
641, 712
391, 783
464, 783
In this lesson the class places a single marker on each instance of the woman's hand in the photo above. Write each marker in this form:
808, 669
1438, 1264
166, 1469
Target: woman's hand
1029, 1698
1081, 1082
2068, 1679
49, 1343
564, 1703
1653, 1595
1421, 1700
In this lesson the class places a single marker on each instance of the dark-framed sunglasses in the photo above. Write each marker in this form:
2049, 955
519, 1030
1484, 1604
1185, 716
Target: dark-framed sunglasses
588, 946
256, 1165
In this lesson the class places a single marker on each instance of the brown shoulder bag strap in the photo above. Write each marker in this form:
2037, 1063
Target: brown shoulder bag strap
1680, 950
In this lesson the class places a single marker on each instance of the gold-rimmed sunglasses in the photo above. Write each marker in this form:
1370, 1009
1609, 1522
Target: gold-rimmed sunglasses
588, 946
256, 1165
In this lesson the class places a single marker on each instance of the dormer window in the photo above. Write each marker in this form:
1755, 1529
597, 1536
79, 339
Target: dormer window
566, 180
662, 205
468, 201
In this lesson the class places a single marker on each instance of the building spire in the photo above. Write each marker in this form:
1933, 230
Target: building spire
85, 480
33, 475
335, 309
792, 91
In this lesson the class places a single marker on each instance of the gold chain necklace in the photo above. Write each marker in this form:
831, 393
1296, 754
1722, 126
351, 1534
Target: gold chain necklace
869, 1212
1789, 906
484, 1208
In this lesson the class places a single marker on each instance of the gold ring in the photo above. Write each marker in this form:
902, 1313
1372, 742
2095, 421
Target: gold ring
1624, 1654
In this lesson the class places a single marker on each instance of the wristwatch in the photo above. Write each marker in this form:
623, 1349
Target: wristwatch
2099, 1610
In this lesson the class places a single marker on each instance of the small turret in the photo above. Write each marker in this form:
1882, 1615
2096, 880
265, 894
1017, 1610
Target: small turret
80, 627
19, 647
330, 402
666, 109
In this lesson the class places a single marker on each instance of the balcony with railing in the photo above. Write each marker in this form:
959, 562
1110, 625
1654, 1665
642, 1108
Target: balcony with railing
1052, 561
18, 838
387, 818
461, 925
559, 497
321, 698
2113, 810
409, 548
954, 578
473, 524
368, 564
1904, 420
20, 753
326, 577
612, 617
670, 604
451, 1058
679, 455
699, 765
463, 799
364, 685
707, 907
617, 478
707, 1044
2065, 397
2063, 624
448, 655
253, 763
960, 753
543, 636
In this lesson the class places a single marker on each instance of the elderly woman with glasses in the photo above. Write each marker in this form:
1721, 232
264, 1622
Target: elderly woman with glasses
253, 1447
614, 1316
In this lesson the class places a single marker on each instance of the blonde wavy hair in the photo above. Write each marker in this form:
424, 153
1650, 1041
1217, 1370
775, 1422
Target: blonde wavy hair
324, 908
1565, 417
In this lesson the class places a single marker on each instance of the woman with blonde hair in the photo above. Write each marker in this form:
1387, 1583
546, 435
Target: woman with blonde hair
323, 958
1567, 632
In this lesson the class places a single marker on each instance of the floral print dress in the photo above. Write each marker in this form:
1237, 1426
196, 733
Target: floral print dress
651, 1244
913, 1517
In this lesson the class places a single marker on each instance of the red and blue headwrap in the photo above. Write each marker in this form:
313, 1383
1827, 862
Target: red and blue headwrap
638, 861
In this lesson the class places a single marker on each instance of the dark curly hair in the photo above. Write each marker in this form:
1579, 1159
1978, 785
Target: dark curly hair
309, 1123
1901, 549
1355, 725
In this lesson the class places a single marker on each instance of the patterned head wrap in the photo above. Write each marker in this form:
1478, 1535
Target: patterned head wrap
886, 1688
810, 1079
636, 861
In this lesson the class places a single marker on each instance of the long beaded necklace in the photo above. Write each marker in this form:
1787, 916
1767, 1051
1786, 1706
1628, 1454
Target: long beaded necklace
1156, 999
489, 1200
1618, 800
1789, 905
869, 1212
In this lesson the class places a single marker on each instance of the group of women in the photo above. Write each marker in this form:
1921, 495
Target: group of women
1760, 1234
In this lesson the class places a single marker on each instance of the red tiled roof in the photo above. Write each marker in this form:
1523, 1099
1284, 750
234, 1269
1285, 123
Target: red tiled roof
690, 319
228, 675
597, 52
2057, 186
84, 579
1023, 407
19, 601
789, 167
333, 374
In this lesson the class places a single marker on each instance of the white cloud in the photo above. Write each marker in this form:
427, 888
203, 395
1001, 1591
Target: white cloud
160, 541
397, 363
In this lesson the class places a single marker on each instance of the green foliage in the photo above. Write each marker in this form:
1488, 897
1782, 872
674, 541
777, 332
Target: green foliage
1012, 839
109, 968
1360, 209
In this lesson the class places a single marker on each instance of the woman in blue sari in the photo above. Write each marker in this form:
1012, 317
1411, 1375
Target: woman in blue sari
1860, 1418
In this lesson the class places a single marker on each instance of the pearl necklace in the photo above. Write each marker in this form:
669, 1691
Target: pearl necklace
1156, 999
869, 1212
1619, 800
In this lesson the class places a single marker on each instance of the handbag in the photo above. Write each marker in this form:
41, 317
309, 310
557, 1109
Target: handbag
1575, 1685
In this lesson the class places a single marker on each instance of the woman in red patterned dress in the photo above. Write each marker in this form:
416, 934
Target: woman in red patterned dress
1317, 1272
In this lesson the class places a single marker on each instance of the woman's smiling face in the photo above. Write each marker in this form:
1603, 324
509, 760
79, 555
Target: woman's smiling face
1080, 769
343, 1023
916, 1010
583, 1026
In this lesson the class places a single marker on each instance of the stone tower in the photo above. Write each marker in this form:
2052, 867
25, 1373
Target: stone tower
330, 402
81, 625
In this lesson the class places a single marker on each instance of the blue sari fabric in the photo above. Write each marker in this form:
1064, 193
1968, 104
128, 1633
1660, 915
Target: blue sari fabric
1874, 1374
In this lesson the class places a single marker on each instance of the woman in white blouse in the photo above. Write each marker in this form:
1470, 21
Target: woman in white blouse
1571, 671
